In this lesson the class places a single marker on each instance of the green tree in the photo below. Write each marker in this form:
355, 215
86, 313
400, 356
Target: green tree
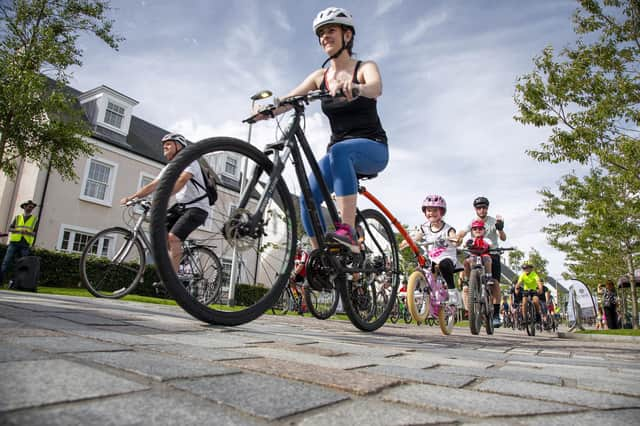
539, 263
515, 258
39, 121
589, 96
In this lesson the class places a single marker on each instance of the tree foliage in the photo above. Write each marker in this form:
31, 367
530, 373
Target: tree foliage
589, 95
39, 121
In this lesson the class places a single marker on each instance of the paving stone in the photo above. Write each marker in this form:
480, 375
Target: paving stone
309, 349
374, 413
357, 382
562, 371
63, 344
142, 408
54, 323
555, 353
172, 325
436, 358
11, 352
88, 318
611, 384
198, 352
122, 338
264, 396
211, 339
379, 351
430, 376
525, 376
589, 418
156, 366
561, 394
470, 402
26, 331
341, 362
34, 383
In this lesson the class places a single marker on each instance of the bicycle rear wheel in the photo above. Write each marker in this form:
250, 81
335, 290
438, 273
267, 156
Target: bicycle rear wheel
202, 270
257, 245
323, 303
112, 263
283, 303
419, 309
475, 314
530, 318
381, 255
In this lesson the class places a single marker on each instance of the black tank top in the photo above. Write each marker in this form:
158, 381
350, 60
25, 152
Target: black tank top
355, 119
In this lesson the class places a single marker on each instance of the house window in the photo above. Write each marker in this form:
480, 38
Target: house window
231, 166
114, 115
145, 179
97, 180
74, 241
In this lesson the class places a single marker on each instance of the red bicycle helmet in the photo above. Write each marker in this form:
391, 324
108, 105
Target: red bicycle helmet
477, 224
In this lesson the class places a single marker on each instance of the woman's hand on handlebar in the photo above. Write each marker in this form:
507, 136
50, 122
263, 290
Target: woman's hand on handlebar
346, 88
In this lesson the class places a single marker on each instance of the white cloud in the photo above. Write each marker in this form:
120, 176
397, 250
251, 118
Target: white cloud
421, 27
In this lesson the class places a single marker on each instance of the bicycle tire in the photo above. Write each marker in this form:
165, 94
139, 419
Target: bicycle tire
406, 315
488, 311
381, 252
283, 303
475, 318
394, 315
322, 304
530, 321
107, 279
446, 319
265, 247
206, 282
419, 310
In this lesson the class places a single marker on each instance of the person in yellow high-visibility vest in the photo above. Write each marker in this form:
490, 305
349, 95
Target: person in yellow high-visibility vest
21, 236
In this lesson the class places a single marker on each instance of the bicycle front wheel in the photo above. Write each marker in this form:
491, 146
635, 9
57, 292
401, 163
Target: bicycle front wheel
204, 272
252, 227
112, 263
418, 307
321, 303
447, 318
380, 251
475, 302
283, 304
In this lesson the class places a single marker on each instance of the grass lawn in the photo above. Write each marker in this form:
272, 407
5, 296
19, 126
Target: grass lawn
619, 332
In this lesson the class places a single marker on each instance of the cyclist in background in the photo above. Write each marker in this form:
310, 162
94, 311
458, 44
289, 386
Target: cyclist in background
358, 142
438, 236
543, 298
504, 308
530, 283
494, 231
299, 273
192, 205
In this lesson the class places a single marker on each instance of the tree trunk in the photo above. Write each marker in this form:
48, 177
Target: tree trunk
634, 298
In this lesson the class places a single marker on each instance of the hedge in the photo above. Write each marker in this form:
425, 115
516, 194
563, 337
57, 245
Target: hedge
60, 269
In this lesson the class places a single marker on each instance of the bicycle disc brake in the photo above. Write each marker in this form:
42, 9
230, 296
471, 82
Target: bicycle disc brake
320, 273
237, 231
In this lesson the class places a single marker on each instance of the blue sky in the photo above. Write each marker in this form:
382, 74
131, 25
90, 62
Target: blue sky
449, 69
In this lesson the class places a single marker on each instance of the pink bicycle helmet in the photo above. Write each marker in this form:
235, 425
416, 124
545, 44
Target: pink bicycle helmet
434, 201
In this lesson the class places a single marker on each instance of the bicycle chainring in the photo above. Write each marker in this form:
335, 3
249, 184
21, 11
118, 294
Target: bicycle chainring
320, 273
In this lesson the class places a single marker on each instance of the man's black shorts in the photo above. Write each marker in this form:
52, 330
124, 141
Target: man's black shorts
181, 225
496, 268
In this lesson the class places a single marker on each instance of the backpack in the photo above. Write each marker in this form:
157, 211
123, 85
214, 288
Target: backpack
210, 179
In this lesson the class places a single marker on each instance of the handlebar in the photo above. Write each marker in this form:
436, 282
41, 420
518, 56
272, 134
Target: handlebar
297, 101
143, 202
497, 250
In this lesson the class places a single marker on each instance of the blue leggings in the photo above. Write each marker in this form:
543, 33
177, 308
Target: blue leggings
339, 168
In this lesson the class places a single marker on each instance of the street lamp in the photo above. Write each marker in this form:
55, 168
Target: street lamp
231, 301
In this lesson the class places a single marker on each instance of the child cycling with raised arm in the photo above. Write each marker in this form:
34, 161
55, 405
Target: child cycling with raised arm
478, 245
438, 237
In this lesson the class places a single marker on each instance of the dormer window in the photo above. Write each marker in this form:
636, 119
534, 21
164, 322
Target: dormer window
114, 115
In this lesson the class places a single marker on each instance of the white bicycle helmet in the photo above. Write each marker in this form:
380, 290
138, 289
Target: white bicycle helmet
175, 137
333, 15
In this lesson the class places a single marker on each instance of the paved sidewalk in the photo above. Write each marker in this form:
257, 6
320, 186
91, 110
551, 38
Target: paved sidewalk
81, 361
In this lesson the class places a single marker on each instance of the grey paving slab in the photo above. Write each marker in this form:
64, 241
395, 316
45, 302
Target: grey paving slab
374, 413
562, 371
470, 402
358, 382
430, 375
589, 418
142, 408
87, 318
121, 336
211, 339
561, 394
26, 331
308, 348
436, 358
34, 383
342, 362
198, 352
63, 344
156, 366
523, 375
264, 396
612, 384
169, 324
11, 352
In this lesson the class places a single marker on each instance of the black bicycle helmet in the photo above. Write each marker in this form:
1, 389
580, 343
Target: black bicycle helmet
481, 201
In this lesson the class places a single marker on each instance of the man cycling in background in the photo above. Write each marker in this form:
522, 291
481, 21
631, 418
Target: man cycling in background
299, 273
494, 231
531, 282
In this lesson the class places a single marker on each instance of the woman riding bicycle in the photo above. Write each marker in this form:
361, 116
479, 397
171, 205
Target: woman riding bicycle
358, 143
